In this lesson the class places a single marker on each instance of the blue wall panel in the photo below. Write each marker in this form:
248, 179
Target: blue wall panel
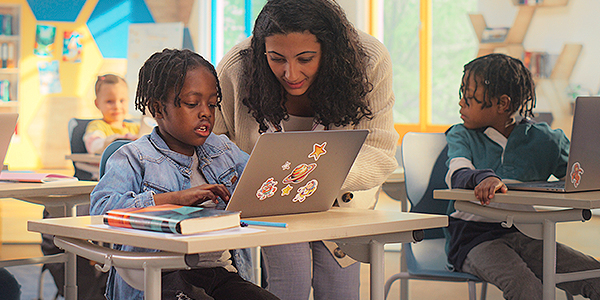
109, 24
52, 10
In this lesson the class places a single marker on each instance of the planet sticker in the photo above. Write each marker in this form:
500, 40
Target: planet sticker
299, 173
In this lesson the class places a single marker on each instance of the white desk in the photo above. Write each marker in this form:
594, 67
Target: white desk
59, 198
576, 207
356, 230
84, 157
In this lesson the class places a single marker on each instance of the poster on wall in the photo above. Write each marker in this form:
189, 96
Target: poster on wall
49, 77
44, 40
72, 47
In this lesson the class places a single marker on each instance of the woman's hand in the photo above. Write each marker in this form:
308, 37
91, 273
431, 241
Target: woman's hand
487, 188
194, 196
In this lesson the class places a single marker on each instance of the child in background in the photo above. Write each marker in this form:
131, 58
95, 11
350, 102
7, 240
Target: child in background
491, 146
112, 101
180, 162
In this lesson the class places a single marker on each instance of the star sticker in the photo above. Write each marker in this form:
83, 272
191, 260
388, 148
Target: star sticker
286, 190
286, 166
318, 150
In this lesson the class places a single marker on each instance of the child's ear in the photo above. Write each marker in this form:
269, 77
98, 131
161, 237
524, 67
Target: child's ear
158, 114
504, 103
96, 103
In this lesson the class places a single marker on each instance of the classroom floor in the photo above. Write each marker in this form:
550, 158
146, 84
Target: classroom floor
581, 236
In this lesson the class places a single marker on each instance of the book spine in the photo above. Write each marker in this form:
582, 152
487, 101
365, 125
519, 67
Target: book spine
127, 221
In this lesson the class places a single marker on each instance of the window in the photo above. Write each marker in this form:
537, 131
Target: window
426, 88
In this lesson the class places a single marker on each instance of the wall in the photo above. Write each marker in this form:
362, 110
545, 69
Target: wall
550, 29
42, 140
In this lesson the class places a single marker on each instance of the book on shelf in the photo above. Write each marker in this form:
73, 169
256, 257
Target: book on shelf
35, 177
539, 63
172, 218
494, 35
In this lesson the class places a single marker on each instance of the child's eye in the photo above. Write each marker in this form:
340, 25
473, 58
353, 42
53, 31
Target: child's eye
212, 105
190, 104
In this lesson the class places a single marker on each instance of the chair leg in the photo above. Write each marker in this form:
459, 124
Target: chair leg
484, 286
472, 290
569, 296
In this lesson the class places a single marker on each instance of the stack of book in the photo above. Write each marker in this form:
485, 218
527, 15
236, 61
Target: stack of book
494, 35
170, 218
538, 63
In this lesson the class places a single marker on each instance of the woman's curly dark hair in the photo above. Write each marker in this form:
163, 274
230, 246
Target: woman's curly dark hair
338, 93
164, 72
499, 75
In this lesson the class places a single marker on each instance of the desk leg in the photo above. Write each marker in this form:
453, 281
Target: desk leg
71, 277
549, 262
377, 270
152, 283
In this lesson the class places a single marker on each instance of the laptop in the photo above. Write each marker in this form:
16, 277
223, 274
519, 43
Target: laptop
583, 170
295, 172
8, 122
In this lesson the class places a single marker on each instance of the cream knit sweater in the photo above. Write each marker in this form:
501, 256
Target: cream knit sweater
374, 163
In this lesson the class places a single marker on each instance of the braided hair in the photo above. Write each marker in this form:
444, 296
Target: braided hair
164, 73
338, 93
501, 75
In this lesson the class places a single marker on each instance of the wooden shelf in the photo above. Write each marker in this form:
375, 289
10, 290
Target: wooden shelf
10, 45
544, 3
513, 43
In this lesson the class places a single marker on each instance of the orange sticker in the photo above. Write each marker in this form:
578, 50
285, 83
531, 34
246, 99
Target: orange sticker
318, 150
576, 171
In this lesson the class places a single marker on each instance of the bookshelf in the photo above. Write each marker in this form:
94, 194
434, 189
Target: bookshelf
10, 43
551, 85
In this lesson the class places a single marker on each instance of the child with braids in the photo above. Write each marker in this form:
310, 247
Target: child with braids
180, 162
489, 147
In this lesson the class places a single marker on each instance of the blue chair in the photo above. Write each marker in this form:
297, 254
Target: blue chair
424, 158
110, 149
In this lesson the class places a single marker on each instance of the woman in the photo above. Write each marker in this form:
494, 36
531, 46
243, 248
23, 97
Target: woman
307, 68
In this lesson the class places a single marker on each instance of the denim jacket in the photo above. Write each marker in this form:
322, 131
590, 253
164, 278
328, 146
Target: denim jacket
147, 166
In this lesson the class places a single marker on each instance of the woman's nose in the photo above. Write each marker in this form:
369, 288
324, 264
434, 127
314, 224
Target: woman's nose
291, 72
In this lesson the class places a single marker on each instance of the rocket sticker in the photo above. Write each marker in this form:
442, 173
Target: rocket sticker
267, 189
576, 171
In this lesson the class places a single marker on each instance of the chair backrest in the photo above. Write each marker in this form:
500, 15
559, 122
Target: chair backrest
424, 158
110, 149
76, 131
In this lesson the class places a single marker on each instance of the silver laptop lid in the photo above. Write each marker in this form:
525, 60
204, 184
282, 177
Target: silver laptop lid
8, 122
296, 172
583, 172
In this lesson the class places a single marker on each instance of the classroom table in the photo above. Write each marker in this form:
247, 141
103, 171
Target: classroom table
58, 197
555, 207
360, 233
84, 157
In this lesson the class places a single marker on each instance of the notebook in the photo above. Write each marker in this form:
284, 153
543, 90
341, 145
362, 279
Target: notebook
295, 172
8, 122
583, 170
